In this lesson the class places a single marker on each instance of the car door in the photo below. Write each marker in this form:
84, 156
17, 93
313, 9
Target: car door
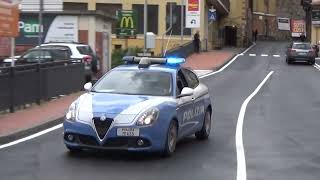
198, 98
185, 105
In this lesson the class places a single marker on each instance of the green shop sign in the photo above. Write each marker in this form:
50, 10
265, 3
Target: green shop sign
127, 24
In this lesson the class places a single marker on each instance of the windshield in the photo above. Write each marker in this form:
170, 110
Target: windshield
85, 50
136, 83
302, 46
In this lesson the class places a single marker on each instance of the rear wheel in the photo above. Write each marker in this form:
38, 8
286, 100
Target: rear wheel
312, 62
171, 141
288, 61
206, 127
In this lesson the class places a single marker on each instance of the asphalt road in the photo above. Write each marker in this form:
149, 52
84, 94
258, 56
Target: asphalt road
280, 133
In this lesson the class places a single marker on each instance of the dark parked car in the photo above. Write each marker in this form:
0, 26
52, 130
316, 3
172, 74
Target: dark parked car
41, 55
79, 53
300, 52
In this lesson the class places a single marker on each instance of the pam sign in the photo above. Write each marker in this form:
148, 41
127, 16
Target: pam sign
127, 24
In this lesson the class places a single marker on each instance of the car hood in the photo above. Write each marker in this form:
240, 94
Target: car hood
124, 108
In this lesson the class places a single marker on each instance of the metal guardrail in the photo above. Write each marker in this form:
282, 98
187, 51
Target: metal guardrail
25, 84
183, 51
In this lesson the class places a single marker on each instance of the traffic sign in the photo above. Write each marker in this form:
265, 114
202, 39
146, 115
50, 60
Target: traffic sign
193, 14
212, 15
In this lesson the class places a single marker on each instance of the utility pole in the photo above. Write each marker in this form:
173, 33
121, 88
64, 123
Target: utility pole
145, 25
40, 17
182, 22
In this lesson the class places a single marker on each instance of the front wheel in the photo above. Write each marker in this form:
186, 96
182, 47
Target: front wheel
206, 127
171, 141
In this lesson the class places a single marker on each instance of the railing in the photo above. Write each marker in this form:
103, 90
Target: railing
182, 51
26, 84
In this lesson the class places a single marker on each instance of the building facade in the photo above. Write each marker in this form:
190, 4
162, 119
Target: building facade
158, 21
266, 14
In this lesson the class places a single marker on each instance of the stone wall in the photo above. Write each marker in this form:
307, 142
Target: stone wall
267, 24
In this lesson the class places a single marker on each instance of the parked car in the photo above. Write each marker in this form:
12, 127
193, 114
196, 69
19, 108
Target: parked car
80, 53
301, 52
42, 55
148, 104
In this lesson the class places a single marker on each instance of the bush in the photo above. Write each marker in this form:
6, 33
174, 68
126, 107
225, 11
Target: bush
117, 55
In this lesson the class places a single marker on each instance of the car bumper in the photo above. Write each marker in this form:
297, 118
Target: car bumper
85, 138
301, 58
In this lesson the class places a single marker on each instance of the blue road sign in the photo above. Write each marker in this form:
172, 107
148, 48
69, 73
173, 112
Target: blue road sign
212, 15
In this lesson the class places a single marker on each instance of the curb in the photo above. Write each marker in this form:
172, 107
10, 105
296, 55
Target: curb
29, 131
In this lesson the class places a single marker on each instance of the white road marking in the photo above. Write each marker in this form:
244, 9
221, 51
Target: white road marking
264, 55
241, 160
60, 125
252, 55
317, 66
202, 72
276, 55
31, 136
228, 64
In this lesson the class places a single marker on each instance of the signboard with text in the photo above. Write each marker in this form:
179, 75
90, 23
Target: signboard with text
297, 27
284, 24
9, 17
193, 14
127, 24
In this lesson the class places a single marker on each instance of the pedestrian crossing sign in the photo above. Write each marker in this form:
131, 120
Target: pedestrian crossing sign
212, 15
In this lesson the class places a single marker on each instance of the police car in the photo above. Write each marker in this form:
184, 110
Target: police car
147, 104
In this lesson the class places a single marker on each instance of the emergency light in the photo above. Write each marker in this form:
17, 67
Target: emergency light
145, 62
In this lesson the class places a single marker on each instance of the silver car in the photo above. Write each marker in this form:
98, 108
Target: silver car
300, 52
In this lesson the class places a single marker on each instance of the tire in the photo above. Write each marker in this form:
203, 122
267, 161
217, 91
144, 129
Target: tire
288, 61
312, 62
206, 127
171, 141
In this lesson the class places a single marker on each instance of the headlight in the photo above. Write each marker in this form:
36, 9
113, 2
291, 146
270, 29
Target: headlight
148, 117
71, 114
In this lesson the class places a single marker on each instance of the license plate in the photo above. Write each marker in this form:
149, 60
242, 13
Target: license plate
302, 54
127, 132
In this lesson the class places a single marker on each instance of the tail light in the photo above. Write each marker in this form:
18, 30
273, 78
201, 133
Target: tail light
311, 53
87, 59
292, 51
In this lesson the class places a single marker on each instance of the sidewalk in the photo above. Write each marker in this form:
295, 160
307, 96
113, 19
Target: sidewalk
36, 118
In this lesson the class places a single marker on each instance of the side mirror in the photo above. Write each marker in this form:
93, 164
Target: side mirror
88, 86
186, 92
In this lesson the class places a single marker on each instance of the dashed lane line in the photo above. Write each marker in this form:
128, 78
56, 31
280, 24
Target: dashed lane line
264, 55
276, 55
252, 55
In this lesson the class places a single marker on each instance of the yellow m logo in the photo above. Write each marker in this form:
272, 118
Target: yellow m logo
127, 20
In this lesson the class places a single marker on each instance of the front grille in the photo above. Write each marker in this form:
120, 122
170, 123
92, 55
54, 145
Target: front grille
102, 127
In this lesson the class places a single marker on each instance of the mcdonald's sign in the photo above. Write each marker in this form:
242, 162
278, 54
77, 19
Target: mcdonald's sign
127, 24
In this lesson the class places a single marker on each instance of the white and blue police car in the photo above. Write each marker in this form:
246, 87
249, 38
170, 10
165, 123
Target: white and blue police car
147, 104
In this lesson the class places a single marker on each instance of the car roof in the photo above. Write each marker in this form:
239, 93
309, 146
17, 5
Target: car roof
155, 67
301, 43
63, 44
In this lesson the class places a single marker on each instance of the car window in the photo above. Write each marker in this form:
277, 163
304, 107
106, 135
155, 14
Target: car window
34, 56
60, 46
191, 78
60, 54
181, 82
301, 46
85, 50
136, 83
